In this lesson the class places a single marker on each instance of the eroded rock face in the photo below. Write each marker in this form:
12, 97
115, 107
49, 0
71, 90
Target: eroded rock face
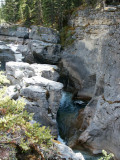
81, 59
103, 130
44, 34
36, 83
44, 52
6, 55
94, 60
43, 46
13, 31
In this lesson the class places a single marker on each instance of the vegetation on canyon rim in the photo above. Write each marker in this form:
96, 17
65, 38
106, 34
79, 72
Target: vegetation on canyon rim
20, 134
15, 126
51, 13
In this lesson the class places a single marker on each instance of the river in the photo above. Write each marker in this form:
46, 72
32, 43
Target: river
66, 118
68, 110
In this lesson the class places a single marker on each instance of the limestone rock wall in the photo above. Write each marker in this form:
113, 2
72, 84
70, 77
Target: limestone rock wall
42, 43
82, 58
93, 60
37, 84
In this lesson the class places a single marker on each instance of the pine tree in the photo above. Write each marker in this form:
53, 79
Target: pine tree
15, 126
51, 13
10, 11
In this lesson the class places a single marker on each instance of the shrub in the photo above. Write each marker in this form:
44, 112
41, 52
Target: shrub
106, 156
66, 36
15, 126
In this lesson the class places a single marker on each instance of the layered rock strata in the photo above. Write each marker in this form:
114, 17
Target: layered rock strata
13, 31
93, 63
44, 45
37, 84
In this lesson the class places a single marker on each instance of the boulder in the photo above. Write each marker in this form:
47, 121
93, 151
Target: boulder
44, 52
13, 91
36, 84
47, 71
40, 81
67, 153
6, 54
16, 71
44, 34
13, 31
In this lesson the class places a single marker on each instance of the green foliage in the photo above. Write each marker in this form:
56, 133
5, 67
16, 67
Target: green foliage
10, 11
3, 79
106, 156
66, 36
52, 13
15, 126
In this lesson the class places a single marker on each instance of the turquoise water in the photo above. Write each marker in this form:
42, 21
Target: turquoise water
67, 119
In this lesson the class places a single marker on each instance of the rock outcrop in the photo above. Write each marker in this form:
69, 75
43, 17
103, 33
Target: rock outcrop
14, 31
93, 63
64, 152
36, 83
6, 55
44, 45
44, 34
44, 52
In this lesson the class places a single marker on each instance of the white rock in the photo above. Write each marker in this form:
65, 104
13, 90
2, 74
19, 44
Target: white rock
67, 153
40, 81
42, 96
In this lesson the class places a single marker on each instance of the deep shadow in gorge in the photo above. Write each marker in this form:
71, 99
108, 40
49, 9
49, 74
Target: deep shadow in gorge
69, 118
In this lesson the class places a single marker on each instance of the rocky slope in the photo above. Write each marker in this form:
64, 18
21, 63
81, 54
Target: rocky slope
36, 83
42, 45
93, 62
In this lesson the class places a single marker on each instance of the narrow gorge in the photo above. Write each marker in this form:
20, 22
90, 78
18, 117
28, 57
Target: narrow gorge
74, 90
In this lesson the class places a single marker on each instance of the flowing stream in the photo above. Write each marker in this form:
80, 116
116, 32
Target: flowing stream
67, 118
9, 52
68, 111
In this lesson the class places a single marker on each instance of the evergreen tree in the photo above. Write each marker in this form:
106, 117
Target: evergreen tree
51, 13
10, 11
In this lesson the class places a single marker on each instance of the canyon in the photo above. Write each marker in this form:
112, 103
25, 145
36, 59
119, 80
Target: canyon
90, 65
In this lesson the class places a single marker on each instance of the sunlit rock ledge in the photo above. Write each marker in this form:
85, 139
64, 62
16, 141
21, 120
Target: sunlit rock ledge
37, 84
